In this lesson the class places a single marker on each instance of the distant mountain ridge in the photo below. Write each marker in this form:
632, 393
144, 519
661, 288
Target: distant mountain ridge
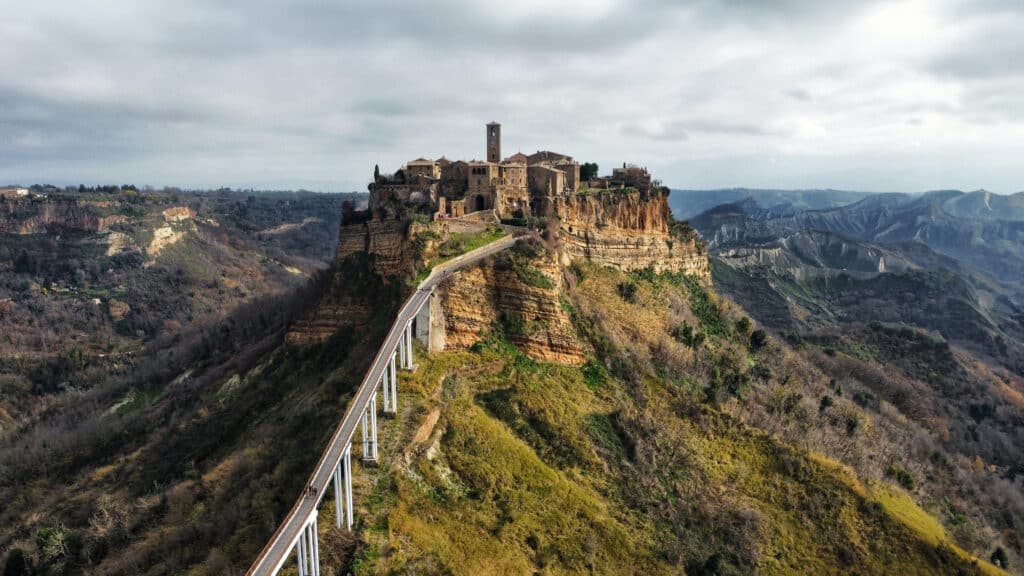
686, 204
979, 204
981, 229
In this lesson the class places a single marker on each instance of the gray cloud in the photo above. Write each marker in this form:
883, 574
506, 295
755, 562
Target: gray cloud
313, 93
798, 94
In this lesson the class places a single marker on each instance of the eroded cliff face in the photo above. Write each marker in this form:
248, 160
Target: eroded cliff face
387, 244
385, 240
330, 315
32, 216
628, 230
473, 302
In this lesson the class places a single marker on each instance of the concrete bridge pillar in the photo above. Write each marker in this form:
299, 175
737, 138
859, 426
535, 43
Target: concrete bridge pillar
373, 426
429, 324
369, 426
308, 549
401, 349
339, 495
346, 461
394, 384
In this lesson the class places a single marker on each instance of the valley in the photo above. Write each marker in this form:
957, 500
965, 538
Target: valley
842, 405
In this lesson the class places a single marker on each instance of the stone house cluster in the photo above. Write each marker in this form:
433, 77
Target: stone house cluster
517, 186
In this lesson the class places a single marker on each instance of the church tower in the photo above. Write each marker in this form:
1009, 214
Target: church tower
494, 142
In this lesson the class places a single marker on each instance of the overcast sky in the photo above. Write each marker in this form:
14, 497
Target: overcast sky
897, 96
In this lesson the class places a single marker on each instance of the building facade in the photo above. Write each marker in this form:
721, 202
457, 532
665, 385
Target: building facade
519, 186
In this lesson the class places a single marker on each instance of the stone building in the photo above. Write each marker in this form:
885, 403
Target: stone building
422, 168
630, 176
546, 180
518, 186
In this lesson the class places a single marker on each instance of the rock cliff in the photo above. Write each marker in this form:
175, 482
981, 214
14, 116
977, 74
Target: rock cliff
330, 315
388, 243
628, 230
33, 216
385, 240
522, 296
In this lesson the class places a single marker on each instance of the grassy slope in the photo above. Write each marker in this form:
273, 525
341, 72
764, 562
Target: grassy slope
551, 469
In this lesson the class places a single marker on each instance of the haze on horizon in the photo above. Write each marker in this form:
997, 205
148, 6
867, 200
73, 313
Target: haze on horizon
888, 96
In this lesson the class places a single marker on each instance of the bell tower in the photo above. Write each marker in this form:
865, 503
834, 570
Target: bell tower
494, 142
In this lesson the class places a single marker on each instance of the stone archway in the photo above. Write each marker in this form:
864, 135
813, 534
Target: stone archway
479, 202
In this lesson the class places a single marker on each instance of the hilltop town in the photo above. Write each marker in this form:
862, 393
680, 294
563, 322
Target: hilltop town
517, 186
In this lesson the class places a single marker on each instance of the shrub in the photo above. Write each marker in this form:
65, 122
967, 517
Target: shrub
758, 339
627, 290
865, 399
826, 403
513, 325
903, 477
685, 334
18, 564
743, 326
761, 372
594, 374
999, 558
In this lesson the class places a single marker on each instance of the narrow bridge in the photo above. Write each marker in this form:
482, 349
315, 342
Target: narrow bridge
298, 531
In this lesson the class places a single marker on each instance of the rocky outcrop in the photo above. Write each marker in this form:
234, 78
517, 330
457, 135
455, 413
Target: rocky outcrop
388, 241
385, 240
473, 302
32, 216
628, 230
162, 238
118, 242
37, 216
179, 213
328, 317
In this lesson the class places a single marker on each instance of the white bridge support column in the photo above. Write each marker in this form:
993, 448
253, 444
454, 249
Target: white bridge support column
364, 423
401, 349
308, 549
346, 461
394, 384
385, 387
407, 344
300, 551
372, 409
339, 495
369, 426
